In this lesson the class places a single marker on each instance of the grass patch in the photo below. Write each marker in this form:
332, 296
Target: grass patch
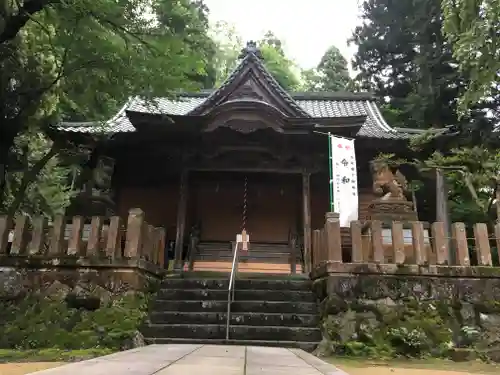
478, 367
51, 355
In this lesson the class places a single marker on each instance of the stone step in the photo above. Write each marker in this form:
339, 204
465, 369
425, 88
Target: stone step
256, 246
279, 307
239, 295
307, 346
256, 257
248, 319
237, 332
250, 266
241, 284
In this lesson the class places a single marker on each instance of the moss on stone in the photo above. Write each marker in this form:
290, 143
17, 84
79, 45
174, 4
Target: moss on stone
395, 316
38, 322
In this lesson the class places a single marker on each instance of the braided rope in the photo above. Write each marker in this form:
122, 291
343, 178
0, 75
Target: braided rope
244, 215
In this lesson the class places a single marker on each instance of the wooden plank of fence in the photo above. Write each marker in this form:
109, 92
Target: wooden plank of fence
323, 247
57, 235
377, 244
151, 243
20, 240
5, 225
482, 241
133, 242
75, 237
37, 243
459, 237
94, 240
333, 240
316, 243
161, 247
497, 239
113, 242
398, 242
440, 243
357, 242
418, 241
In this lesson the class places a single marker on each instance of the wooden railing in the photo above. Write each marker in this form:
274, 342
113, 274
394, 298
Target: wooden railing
96, 237
409, 243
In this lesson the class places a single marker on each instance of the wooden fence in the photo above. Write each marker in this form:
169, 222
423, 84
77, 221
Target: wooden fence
414, 243
95, 237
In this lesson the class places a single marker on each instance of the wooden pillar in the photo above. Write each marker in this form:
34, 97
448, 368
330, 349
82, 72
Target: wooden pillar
306, 201
181, 220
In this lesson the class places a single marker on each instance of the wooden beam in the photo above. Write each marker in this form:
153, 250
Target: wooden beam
306, 201
181, 220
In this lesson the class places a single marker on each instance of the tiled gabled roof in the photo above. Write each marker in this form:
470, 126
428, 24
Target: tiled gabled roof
316, 105
252, 73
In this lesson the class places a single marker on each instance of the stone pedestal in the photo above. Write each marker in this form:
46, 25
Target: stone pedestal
388, 210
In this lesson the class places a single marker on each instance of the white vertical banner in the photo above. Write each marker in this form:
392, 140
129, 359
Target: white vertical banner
344, 179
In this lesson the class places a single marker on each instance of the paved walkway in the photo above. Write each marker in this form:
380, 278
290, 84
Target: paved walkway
201, 360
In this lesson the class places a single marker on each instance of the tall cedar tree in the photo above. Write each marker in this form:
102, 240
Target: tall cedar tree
405, 59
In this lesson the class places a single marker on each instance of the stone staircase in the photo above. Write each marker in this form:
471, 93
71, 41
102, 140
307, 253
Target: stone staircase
261, 258
270, 311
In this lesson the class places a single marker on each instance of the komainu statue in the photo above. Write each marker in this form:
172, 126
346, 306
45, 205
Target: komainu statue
391, 188
387, 184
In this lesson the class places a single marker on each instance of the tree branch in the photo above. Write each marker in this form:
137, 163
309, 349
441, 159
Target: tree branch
29, 177
14, 23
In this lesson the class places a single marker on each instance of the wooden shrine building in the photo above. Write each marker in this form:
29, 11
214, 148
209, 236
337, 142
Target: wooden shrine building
246, 155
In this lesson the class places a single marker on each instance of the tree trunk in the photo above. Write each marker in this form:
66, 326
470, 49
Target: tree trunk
28, 178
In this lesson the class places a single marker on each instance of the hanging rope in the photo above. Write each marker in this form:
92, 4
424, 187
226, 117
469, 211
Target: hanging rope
244, 215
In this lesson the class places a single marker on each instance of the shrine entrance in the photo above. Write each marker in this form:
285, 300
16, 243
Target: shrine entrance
267, 205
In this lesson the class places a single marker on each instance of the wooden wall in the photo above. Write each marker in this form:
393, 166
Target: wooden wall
274, 205
158, 203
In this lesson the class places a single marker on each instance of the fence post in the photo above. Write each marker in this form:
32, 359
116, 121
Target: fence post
333, 239
37, 243
57, 235
5, 224
482, 242
378, 247
94, 240
20, 240
75, 237
316, 243
418, 242
113, 243
134, 239
460, 241
398, 242
357, 242
440, 243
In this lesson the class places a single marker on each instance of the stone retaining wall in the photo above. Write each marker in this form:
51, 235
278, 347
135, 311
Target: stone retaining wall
387, 310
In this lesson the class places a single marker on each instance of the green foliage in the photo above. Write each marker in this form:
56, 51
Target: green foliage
473, 28
49, 191
471, 175
80, 60
229, 45
37, 322
413, 329
331, 74
280, 67
402, 57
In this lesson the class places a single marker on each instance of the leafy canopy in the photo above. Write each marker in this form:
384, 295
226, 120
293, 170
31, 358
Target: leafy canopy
473, 27
331, 74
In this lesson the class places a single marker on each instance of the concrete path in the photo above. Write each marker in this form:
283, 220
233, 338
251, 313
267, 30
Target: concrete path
201, 360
